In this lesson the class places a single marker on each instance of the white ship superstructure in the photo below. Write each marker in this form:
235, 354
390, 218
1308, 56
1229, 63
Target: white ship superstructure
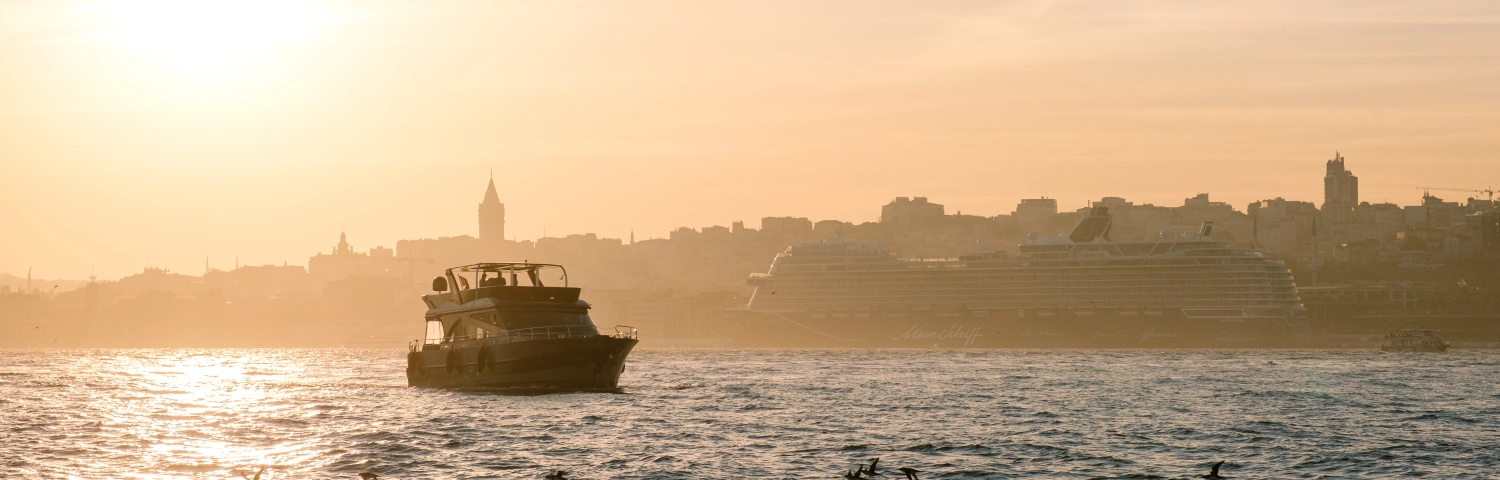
1080, 276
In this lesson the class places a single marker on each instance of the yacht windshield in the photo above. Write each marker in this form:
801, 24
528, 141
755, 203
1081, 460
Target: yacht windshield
510, 275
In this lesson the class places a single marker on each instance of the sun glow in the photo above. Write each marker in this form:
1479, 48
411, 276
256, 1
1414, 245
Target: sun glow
201, 49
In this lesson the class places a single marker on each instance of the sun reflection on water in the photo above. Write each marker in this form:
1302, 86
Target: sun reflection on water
201, 411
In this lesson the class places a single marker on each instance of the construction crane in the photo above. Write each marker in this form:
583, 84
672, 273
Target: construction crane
1488, 191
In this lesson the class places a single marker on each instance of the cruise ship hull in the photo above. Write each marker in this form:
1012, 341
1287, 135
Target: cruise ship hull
576, 364
1094, 328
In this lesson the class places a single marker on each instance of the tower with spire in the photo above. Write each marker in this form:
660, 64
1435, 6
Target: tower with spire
491, 215
343, 248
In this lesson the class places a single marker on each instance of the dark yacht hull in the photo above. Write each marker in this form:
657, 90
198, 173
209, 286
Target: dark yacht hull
586, 364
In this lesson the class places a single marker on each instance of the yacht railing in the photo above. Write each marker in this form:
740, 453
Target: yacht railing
521, 335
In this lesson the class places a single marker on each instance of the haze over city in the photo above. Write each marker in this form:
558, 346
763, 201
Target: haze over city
158, 133
573, 240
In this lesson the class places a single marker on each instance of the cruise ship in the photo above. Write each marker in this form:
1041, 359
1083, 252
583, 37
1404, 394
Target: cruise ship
1081, 290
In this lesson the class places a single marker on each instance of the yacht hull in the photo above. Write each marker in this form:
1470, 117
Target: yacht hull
576, 364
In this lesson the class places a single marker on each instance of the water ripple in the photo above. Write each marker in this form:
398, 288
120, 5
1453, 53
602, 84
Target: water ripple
763, 414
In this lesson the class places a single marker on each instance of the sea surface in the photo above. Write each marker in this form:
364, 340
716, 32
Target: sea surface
732, 414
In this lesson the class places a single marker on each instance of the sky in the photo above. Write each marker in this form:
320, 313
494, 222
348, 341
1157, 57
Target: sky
163, 133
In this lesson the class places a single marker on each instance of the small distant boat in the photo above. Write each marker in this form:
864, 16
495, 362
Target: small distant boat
1413, 340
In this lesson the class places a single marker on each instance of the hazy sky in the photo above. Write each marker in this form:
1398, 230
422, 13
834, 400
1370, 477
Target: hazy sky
158, 133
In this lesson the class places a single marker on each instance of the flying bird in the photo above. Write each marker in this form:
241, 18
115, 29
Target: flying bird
849, 474
368, 476
911, 473
558, 475
1214, 474
257, 474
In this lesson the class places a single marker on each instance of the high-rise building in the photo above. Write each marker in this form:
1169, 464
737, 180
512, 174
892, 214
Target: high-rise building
491, 216
1340, 192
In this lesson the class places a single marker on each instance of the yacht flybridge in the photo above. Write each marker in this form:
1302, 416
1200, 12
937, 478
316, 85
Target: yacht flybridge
514, 325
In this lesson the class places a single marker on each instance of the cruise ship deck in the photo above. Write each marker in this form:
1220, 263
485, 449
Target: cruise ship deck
1081, 289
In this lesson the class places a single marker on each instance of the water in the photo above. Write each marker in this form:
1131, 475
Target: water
758, 414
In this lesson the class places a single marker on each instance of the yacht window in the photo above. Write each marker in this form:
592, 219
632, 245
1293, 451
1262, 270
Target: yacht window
489, 318
532, 319
434, 332
478, 329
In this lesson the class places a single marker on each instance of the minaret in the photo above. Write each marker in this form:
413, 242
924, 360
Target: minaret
491, 216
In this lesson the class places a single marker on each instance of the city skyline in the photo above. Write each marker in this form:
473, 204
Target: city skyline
1340, 199
379, 120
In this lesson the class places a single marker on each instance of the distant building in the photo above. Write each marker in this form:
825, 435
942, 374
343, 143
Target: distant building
344, 262
576, 243
682, 234
1340, 192
343, 248
1285, 227
716, 230
491, 216
786, 225
1388, 217
1199, 208
905, 211
160, 280
427, 257
1486, 226
1032, 212
831, 227
1436, 213
262, 282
